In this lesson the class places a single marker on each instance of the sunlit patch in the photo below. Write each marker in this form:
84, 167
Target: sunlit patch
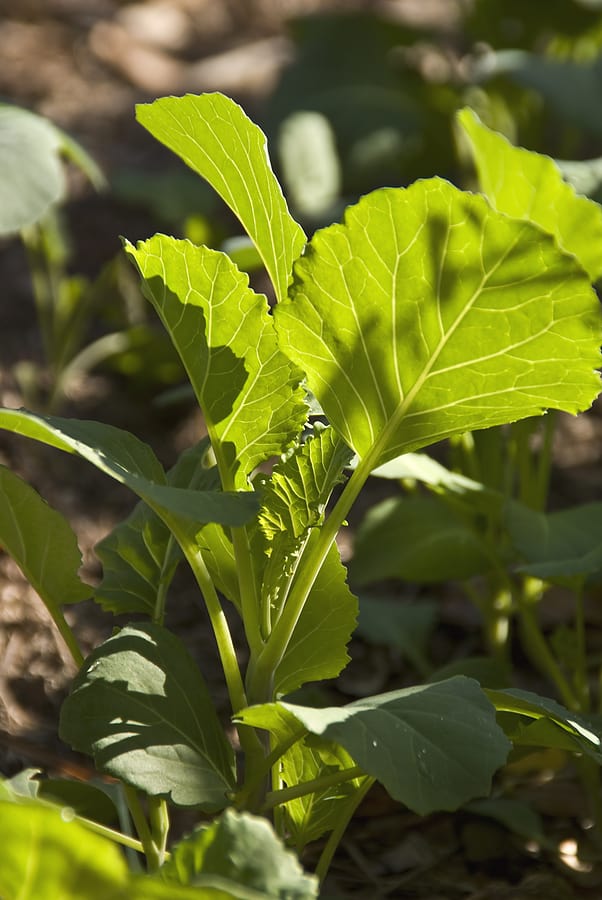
568, 852
594, 738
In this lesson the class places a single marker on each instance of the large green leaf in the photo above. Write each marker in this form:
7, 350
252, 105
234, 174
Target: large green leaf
402, 536
247, 389
242, 850
131, 462
527, 185
428, 313
139, 556
432, 746
309, 817
564, 545
41, 542
214, 137
141, 708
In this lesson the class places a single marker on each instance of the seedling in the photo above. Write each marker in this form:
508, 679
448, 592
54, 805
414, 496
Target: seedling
425, 314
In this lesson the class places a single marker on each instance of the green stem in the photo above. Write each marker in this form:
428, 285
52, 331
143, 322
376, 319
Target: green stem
536, 646
43, 286
580, 679
285, 795
544, 466
338, 831
255, 779
159, 820
115, 836
142, 828
68, 637
164, 582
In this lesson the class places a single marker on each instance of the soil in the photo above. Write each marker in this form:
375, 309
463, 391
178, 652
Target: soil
84, 64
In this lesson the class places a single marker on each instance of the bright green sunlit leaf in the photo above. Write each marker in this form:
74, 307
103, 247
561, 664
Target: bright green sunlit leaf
527, 185
247, 389
428, 313
140, 707
214, 137
45, 856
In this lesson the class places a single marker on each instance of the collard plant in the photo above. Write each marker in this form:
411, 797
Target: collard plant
426, 313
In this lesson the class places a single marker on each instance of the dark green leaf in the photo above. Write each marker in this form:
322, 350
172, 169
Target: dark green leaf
400, 538
141, 708
139, 556
431, 746
131, 462
563, 546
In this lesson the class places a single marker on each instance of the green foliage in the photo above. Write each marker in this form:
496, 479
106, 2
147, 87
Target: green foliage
244, 856
165, 738
426, 313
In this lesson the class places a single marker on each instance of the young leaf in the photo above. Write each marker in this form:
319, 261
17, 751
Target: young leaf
400, 538
294, 500
244, 852
41, 542
131, 462
46, 856
527, 185
139, 556
312, 815
318, 646
433, 746
247, 389
563, 545
141, 708
214, 137
428, 313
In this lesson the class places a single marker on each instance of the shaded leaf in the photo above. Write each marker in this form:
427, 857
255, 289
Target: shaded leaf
131, 462
527, 185
433, 747
214, 137
247, 389
401, 537
140, 707
41, 542
242, 850
428, 313
563, 546
139, 556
